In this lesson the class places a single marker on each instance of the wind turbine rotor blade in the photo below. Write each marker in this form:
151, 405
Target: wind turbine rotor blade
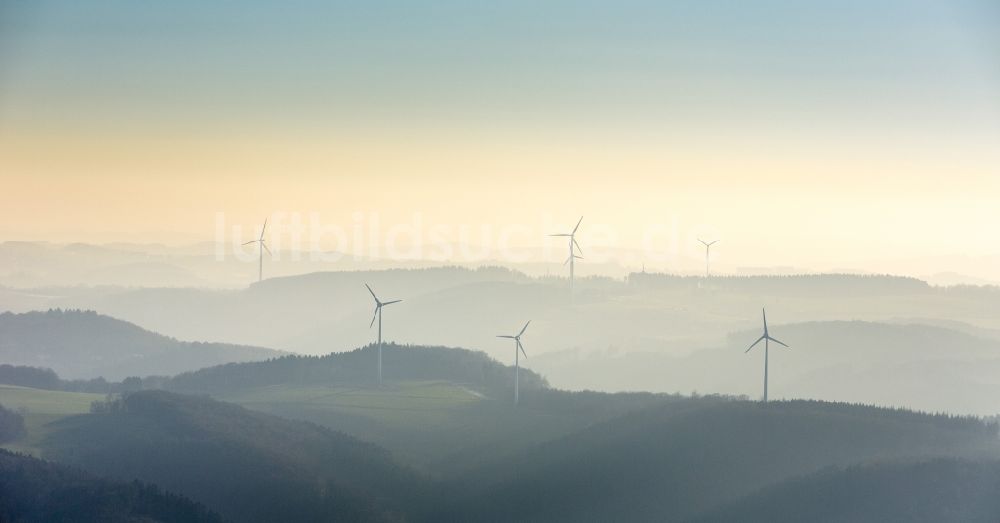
524, 328
508, 337
374, 316
249, 242
264, 245
577, 225
262, 229
578, 257
577, 246
522, 349
560, 235
703, 242
778, 342
713, 243
760, 339
567, 260
370, 291
391, 302
764, 313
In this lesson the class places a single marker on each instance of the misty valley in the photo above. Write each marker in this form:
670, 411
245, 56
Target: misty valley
636, 399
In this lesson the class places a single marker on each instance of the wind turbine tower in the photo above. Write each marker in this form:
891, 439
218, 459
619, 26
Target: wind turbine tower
765, 338
378, 314
517, 361
262, 248
708, 247
573, 247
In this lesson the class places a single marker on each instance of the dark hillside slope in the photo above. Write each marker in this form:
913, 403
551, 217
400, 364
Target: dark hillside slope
672, 462
247, 466
35, 490
923, 492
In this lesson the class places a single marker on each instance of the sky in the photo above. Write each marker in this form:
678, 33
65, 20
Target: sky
820, 135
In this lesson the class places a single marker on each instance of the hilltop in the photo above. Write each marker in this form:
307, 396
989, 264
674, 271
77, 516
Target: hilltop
84, 344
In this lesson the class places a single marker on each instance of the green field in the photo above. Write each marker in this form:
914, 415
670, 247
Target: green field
43, 407
400, 404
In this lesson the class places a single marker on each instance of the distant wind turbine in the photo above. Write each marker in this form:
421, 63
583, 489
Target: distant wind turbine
378, 314
765, 338
263, 247
573, 247
517, 361
708, 247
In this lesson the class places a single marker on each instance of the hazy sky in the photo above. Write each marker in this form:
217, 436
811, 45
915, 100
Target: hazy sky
810, 135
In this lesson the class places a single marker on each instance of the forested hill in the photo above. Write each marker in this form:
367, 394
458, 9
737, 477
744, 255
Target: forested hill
84, 344
247, 466
676, 461
399, 362
35, 490
908, 492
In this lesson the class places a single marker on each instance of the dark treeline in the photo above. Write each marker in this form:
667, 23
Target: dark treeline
402, 362
48, 379
35, 490
471, 368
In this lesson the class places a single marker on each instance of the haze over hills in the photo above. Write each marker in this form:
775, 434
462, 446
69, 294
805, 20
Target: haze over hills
559, 455
650, 332
903, 365
207, 264
451, 306
84, 344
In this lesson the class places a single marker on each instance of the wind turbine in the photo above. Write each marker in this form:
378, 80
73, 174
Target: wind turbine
573, 247
765, 338
517, 361
708, 246
378, 313
263, 247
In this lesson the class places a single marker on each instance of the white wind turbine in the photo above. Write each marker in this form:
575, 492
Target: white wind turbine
517, 360
262, 248
378, 313
573, 247
765, 338
708, 247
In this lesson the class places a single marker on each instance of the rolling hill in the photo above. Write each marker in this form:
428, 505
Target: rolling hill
246, 466
916, 366
83, 344
675, 461
906, 492
672, 460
